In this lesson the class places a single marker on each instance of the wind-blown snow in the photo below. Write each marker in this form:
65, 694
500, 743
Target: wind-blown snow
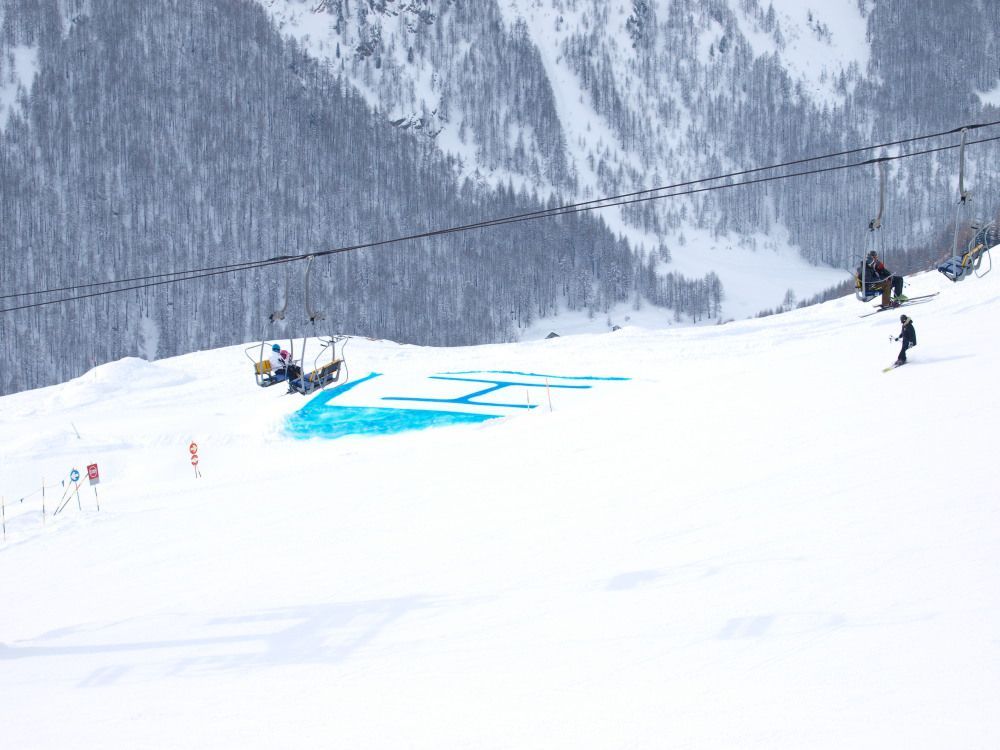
759, 541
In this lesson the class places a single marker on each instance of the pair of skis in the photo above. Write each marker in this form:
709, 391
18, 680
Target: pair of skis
910, 301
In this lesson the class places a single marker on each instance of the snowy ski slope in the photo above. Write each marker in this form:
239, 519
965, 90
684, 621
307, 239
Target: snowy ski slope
757, 540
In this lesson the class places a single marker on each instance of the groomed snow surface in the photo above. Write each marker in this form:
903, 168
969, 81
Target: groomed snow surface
761, 540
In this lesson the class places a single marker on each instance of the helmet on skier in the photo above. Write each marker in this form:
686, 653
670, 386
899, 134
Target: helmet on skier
872, 254
275, 348
284, 354
903, 318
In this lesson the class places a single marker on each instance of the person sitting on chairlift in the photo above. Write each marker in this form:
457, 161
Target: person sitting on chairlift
292, 369
277, 361
879, 278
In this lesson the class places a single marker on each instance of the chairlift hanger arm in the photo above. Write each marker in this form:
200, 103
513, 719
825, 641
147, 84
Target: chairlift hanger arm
863, 293
313, 315
876, 223
963, 194
280, 314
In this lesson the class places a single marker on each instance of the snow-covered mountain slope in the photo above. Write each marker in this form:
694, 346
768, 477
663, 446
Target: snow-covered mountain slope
585, 98
758, 540
818, 44
816, 48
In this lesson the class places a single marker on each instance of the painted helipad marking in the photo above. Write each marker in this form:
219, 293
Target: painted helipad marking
363, 406
467, 399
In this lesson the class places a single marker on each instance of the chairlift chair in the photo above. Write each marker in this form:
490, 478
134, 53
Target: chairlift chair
303, 375
986, 238
325, 368
263, 373
958, 266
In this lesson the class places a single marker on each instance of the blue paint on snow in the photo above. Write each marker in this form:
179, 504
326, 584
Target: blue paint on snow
324, 398
321, 418
537, 375
338, 421
496, 385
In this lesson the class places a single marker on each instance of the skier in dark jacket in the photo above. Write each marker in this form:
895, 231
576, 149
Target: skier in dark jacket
909, 337
879, 278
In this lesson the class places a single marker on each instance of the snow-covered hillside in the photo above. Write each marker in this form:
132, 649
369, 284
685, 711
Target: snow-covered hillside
816, 46
758, 540
580, 99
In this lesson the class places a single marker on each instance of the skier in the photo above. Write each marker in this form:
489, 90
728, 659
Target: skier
879, 278
909, 337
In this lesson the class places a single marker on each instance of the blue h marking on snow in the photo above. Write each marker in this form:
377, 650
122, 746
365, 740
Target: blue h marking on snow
321, 418
468, 398
340, 421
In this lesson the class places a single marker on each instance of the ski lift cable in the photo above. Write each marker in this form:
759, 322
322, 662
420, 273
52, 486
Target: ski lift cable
606, 202
613, 201
756, 181
149, 285
498, 222
249, 265
242, 265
